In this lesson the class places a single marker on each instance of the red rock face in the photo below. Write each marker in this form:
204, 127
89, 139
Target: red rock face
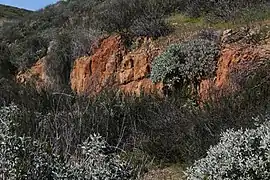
94, 73
232, 65
111, 66
80, 76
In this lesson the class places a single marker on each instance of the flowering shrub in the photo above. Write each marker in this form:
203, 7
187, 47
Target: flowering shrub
95, 163
24, 158
188, 61
242, 154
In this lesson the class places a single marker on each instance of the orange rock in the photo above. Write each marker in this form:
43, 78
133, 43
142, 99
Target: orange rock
81, 74
234, 60
35, 75
142, 86
112, 67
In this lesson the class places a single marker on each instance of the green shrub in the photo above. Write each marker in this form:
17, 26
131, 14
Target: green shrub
209, 34
27, 51
224, 11
13, 13
228, 10
6, 67
115, 15
196, 8
167, 129
96, 163
149, 26
242, 154
63, 50
24, 158
186, 62
58, 64
133, 16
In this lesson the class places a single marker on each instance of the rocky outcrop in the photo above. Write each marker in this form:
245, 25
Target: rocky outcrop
94, 73
112, 66
35, 75
234, 65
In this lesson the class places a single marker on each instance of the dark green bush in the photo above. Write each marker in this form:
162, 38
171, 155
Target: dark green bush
135, 16
231, 10
59, 63
63, 50
220, 10
12, 13
28, 51
168, 129
209, 34
29, 38
6, 67
149, 26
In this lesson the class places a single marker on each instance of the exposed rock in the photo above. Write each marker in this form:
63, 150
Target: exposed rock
232, 65
81, 74
94, 73
35, 75
111, 66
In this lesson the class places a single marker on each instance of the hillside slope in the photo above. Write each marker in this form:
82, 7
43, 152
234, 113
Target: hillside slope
9, 13
213, 75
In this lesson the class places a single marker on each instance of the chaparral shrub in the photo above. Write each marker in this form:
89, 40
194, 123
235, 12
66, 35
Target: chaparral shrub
186, 62
225, 10
134, 16
242, 154
23, 157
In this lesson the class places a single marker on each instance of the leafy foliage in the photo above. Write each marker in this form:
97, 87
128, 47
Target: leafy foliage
134, 16
242, 154
220, 10
12, 12
25, 158
186, 62
29, 38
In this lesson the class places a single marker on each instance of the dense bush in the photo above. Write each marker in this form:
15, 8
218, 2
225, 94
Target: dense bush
134, 16
231, 10
149, 26
29, 38
6, 68
12, 12
209, 34
63, 50
169, 129
220, 10
24, 158
242, 154
187, 62
27, 51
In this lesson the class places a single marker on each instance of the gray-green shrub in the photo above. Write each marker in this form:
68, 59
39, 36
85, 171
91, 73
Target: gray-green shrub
186, 62
241, 154
23, 157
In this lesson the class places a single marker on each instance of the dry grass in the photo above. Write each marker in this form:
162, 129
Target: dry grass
174, 172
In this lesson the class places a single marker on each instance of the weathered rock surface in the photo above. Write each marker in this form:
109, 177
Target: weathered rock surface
113, 66
35, 75
233, 64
